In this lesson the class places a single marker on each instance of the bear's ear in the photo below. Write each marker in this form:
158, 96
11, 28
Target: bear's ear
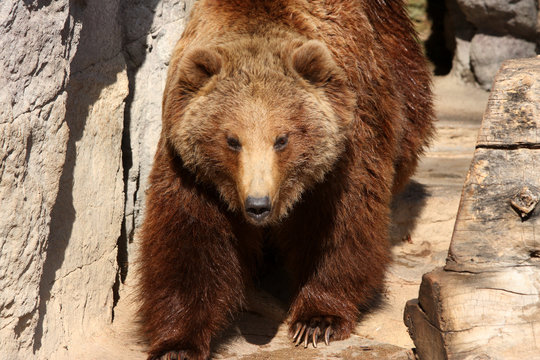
314, 62
198, 66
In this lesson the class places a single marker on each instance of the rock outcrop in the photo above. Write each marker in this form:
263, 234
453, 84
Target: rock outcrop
151, 29
33, 139
62, 87
488, 32
80, 116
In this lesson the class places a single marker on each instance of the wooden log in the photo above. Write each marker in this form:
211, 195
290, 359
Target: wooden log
490, 232
428, 339
485, 303
494, 315
512, 116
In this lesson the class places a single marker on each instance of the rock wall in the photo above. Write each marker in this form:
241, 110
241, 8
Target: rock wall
151, 29
488, 32
33, 139
80, 116
62, 89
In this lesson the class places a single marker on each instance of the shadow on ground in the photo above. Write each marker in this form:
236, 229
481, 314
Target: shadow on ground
406, 207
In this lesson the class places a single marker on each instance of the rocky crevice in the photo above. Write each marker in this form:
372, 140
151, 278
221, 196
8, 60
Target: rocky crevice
150, 31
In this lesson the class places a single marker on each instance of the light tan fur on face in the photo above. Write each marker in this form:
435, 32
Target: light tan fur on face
258, 171
256, 90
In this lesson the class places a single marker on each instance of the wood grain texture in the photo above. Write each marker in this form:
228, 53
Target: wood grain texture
489, 232
485, 303
428, 339
491, 314
512, 116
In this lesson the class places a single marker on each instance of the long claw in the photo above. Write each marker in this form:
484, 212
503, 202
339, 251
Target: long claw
327, 336
306, 338
298, 327
315, 336
300, 335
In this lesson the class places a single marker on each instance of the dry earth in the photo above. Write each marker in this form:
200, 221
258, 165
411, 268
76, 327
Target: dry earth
426, 212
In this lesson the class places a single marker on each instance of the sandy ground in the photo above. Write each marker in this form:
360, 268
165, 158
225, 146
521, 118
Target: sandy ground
426, 211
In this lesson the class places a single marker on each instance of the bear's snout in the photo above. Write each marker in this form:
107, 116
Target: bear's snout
258, 208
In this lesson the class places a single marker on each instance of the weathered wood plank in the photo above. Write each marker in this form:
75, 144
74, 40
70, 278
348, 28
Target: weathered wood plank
496, 312
459, 301
513, 111
428, 339
485, 303
490, 232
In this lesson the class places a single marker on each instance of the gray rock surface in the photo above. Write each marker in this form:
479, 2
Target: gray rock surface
502, 17
463, 32
487, 32
152, 28
488, 52
33, 140
73, 73
62, 88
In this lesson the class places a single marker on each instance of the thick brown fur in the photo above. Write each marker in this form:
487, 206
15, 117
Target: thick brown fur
346, 83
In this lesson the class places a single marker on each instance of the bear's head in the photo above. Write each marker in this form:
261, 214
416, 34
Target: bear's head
260, 122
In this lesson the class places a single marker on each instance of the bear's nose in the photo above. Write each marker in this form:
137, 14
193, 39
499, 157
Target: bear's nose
258, 207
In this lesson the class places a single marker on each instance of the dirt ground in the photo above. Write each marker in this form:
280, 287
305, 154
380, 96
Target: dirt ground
426, 211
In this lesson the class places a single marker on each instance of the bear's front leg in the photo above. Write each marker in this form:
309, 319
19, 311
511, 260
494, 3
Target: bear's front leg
192, 276
338, 257
346, 277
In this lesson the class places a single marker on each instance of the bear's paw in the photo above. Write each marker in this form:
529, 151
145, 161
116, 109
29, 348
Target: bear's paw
319, 327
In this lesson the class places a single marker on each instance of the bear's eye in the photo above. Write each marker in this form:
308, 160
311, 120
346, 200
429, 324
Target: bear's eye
281, 142
234, 143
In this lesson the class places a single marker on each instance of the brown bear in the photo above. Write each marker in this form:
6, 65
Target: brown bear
291, 122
